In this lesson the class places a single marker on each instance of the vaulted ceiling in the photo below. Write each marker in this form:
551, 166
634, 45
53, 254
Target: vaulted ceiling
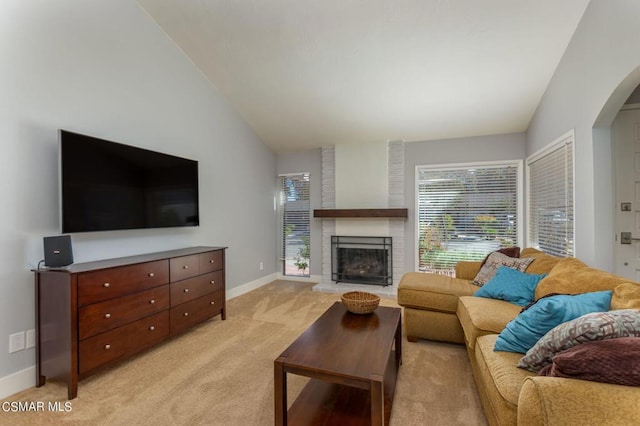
311, 73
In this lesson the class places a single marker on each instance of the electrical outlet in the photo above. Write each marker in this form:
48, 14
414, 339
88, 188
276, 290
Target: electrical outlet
31, 338
16, 342
261, 266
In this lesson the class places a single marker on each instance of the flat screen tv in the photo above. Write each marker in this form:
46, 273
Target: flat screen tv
106, 186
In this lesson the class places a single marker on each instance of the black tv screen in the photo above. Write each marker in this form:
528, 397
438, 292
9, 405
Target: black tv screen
111, 186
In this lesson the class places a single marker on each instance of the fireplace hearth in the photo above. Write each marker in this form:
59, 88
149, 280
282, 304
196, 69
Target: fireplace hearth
361, 260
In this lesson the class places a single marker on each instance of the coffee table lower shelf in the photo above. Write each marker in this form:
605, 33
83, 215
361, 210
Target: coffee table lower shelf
325, 403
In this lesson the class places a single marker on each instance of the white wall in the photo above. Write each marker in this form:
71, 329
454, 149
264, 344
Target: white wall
104, 68
361, 175
451, 151
599, 70
362, 182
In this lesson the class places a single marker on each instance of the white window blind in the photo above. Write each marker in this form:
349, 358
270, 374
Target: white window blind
550, 194
295, 224
465, 212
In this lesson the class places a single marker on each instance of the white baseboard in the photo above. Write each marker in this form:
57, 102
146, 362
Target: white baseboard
251, 285
310, 279
17, 382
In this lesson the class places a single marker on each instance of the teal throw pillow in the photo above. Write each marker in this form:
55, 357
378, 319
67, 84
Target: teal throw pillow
526, 329
511, 285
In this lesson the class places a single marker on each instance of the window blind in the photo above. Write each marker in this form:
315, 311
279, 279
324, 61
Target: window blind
550, 194
465, 212
295, 215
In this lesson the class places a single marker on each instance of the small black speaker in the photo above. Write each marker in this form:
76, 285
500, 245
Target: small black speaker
57, 251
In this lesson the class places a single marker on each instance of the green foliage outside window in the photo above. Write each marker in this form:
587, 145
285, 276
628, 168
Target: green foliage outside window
302, 259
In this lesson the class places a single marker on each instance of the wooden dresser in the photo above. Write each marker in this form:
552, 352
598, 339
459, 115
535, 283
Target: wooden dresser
92, 315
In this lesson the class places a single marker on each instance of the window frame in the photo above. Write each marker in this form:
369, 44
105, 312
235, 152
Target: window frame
567, 138
282, 259
518, 164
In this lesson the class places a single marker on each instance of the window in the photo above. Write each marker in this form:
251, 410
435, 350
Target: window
465, 212
294, 212
550, 181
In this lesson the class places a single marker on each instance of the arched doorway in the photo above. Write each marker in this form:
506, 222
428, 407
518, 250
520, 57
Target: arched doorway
608, 205
625, 143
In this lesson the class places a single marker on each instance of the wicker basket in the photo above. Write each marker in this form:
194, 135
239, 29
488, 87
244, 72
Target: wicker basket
360, 302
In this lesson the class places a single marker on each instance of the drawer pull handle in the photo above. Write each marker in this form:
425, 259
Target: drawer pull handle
152, 301
151, 274
185, 267
213, 281
186, 314
152, 328
107, 347
186, 290
212, 302
212, 261
107, 316
106, 285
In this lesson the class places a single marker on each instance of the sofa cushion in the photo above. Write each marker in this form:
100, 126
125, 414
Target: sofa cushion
626, 296
589, 327
432, 291
510, 285
607, 361
494, 261
571, 276
472, 314
467, 269
542, 262
501, 378
527, 328
432, 325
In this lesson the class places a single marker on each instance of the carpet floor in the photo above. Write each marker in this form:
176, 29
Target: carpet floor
221, 373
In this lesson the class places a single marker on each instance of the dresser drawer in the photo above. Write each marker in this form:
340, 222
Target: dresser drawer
184, 267
105, 284
192, 288
123, 341
103, 316
188, 314
211, 261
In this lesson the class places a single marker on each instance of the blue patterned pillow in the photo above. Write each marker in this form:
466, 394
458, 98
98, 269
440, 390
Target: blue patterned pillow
511, 285
589, 327
526, 329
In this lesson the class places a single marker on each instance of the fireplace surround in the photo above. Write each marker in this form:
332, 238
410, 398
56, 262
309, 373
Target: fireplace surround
349, 199
362, 260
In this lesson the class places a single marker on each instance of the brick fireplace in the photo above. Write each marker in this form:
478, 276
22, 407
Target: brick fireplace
367, 179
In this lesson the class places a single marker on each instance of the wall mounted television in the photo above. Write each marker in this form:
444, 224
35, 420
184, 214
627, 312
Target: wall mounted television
106, 186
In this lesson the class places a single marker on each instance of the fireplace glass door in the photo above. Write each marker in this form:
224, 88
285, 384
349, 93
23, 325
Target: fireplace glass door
361, 260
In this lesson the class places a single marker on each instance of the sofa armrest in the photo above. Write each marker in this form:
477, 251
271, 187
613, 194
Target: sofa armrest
467, 270
558, 401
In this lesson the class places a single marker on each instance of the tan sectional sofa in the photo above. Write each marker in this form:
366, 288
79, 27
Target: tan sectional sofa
442, 308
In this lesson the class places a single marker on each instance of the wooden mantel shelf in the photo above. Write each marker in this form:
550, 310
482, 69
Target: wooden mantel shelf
362, 213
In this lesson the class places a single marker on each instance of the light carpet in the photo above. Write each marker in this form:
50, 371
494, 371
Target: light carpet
221, 373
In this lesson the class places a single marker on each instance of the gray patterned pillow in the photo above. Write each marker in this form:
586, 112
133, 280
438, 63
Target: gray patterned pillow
589, 327
496, 260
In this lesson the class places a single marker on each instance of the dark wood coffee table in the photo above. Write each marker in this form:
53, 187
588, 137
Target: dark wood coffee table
353, 363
